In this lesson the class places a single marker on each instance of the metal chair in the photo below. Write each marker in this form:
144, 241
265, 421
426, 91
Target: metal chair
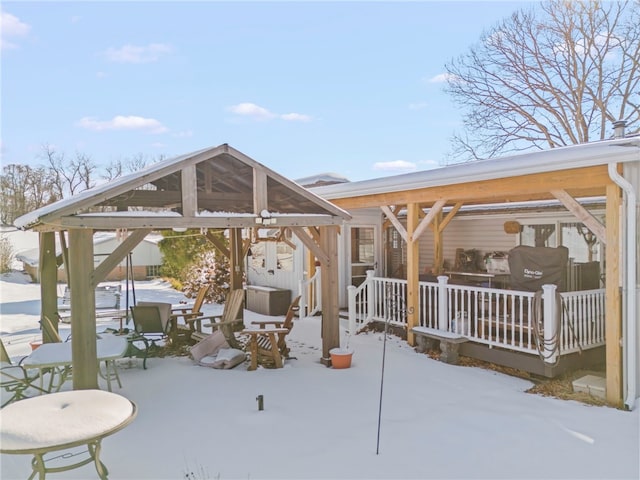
15, 380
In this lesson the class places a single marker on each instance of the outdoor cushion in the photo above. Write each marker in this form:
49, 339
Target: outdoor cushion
215, 352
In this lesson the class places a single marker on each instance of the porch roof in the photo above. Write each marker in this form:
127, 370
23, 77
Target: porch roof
565, 159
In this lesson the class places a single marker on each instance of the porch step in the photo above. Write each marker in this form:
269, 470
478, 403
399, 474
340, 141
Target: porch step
591, 384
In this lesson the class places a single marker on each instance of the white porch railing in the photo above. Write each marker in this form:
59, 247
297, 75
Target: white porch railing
521, 321
310, 298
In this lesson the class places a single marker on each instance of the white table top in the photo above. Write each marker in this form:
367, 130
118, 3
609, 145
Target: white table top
62, 419
108, 347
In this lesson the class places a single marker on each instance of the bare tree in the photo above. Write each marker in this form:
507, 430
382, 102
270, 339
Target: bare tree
69, 176
556, 75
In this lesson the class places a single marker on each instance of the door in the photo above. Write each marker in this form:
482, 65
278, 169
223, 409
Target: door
363, 253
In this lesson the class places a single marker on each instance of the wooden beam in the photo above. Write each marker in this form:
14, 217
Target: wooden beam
588, 181
435, 210
189, 188
413, 267
158, 222
260, 197
48, 274
64, 250
83, 311
582, 214
219, 244
309, 242
613, 312
450, 214
108, 264
235, 260
396, 223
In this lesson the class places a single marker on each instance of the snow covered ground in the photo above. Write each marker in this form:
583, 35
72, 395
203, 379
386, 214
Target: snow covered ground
437, 420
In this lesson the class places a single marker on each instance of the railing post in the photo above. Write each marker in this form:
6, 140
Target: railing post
351, 299
317, 289
303, 297
550, 319
370, 293
442, 302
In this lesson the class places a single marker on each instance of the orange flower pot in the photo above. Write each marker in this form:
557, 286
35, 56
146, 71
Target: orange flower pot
340, 357
35, 345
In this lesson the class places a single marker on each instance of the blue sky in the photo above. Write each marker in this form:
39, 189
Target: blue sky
302, 87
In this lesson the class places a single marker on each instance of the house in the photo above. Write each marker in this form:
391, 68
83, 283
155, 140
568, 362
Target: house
143, 262
405, 227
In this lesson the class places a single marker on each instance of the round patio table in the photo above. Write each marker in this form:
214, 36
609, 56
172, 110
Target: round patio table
60, 421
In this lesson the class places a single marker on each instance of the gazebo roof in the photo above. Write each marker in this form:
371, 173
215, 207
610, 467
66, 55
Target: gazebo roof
217, 187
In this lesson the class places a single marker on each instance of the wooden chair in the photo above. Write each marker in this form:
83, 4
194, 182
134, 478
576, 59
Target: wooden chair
268, 345
189, 315
227, 321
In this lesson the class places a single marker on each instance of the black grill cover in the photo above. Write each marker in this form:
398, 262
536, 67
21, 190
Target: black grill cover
532, 267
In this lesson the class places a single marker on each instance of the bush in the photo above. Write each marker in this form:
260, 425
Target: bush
6, 255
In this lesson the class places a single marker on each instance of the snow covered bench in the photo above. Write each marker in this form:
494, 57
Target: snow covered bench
449, 342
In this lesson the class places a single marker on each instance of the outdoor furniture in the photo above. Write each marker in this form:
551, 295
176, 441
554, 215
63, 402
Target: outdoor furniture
190, 314
57, 358
268, 343
60, 421
14, 379
228, 320
152, 320
215, 352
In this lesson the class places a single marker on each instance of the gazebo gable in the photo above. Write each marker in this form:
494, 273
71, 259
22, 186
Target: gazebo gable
217, 187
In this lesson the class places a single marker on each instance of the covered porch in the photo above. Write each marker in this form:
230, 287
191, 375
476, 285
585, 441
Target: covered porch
505, 320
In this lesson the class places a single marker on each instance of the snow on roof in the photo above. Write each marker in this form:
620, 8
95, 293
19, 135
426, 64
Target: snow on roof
328, 178
573, 156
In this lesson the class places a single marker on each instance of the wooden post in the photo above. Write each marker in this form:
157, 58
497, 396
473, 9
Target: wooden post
236, 258
413, 267
83, 310
330, 291
48, 279
438, 255
613, 314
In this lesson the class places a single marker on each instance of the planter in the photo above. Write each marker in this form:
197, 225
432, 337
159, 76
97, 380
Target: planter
35, 345
340, 357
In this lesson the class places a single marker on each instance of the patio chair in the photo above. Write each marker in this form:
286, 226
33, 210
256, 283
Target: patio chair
286, 323
152, 320
268, 346
15, 380
190, 315
228, 320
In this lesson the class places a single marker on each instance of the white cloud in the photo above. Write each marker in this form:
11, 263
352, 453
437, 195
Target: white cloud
121, 122
256, 112
183, 134
395, 165
11, 26
295, 117
418, 106
138, 54
441, 78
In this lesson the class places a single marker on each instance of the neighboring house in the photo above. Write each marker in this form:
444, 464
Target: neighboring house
143, 263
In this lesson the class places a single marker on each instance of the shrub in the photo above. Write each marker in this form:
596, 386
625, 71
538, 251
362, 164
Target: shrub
6, 255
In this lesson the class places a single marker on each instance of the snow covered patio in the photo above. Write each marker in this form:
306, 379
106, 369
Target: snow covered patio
438, 420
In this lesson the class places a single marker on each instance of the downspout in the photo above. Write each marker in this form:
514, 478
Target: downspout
630, 272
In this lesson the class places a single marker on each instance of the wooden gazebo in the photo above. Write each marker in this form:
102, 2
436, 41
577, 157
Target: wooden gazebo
215, 188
